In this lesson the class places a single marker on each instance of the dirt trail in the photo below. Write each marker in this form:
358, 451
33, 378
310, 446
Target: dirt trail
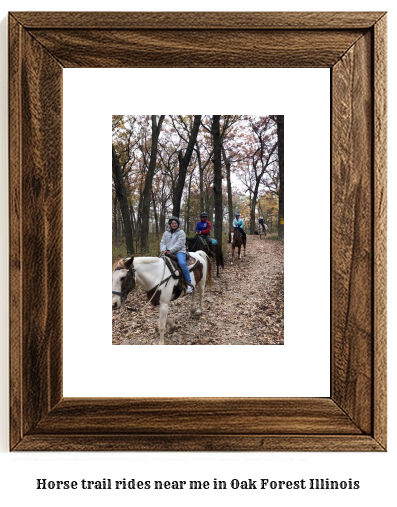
244, 307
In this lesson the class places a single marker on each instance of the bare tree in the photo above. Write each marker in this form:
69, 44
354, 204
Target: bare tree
217, 187
280, 135
229, 187
122, 198
184, 161
147, 191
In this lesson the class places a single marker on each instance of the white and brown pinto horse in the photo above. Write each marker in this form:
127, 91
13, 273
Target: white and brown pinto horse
154, 276
237, 240
262, 229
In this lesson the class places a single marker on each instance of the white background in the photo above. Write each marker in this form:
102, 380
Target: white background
18, 472
92, 366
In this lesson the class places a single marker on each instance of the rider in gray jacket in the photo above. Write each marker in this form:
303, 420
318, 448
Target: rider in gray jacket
174, 242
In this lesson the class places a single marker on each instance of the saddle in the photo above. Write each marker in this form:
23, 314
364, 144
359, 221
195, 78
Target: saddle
172, 264
206, 245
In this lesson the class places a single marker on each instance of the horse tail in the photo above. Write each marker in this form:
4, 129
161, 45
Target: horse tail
208, 278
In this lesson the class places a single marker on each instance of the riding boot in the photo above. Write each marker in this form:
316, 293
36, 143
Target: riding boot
189, 287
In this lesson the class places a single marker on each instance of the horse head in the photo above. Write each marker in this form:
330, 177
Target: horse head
123, 281
196, 243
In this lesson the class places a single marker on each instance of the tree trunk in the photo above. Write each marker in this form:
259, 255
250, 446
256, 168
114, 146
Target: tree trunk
253, 205
201, 178
114, 209
229, 188
147, 191
184, 162
156, 219
187, 225
216, 136
280, 135
209, 205
122, 198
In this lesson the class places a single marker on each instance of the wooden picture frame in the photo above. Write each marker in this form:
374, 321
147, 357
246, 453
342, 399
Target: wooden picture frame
353, 46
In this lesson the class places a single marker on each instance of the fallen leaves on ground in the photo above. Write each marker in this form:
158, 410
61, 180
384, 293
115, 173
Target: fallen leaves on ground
244, 307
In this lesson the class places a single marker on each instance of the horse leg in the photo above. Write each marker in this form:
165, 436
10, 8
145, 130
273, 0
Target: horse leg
163, 312
192, 296
201, 288
232, 255
171, 324
239, 252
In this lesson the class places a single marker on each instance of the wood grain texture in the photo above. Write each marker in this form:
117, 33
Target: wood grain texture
15, 227
199, 443
352, 232
230, 416
196, 48
36, 256
380, 229
200, 20
353, 45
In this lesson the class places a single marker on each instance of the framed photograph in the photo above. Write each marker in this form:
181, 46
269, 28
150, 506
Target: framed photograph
353, 46
90, 367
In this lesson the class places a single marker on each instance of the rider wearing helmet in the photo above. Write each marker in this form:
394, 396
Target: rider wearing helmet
174, 242
239, 224
203, 229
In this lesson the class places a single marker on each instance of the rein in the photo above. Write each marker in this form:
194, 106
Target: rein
123, 294
163, 280
203, 243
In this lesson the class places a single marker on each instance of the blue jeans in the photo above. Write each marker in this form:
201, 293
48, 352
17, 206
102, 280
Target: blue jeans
181, 256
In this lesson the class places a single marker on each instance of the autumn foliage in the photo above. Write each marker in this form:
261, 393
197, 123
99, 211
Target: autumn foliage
181, 165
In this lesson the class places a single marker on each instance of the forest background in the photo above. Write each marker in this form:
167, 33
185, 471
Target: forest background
177, 165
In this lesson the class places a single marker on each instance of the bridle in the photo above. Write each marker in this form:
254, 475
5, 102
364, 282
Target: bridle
235, 237
124, 293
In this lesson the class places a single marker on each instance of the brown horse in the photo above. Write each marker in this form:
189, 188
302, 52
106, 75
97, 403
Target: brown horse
199, 243
237, 239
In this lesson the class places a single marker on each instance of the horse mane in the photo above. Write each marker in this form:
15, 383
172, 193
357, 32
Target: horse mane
120, 263
145, 260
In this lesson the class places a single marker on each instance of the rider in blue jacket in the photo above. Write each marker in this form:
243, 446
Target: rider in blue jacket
238, 223
203, 229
